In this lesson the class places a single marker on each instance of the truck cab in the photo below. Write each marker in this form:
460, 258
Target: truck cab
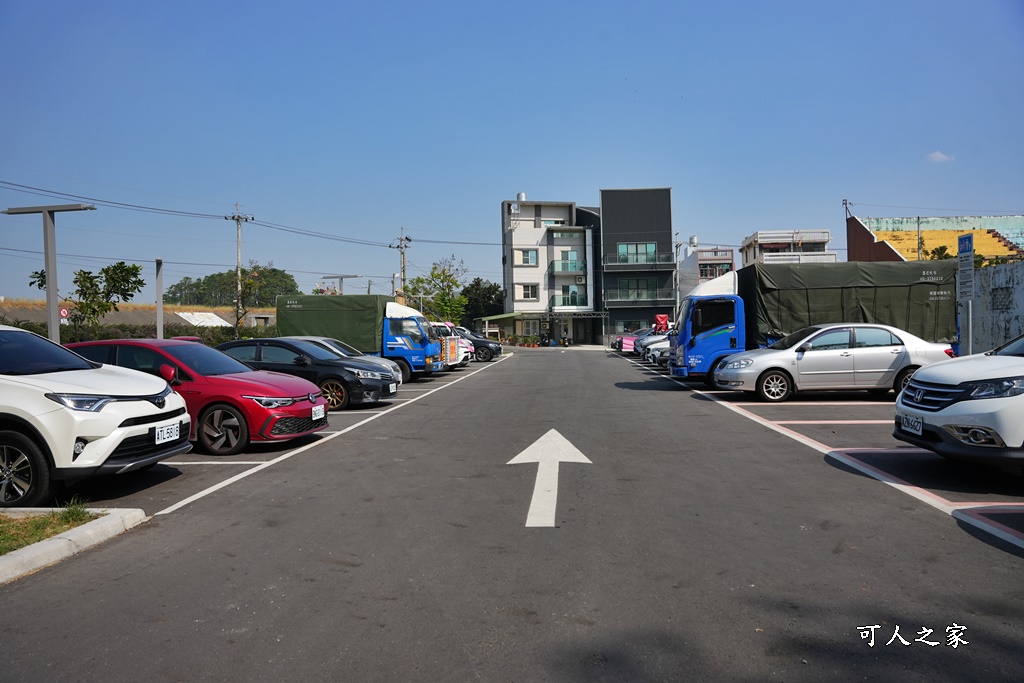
708, 329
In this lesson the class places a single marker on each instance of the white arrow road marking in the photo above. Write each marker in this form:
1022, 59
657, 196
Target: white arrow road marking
547, 452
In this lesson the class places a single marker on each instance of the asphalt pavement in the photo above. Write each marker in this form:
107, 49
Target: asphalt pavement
692, 542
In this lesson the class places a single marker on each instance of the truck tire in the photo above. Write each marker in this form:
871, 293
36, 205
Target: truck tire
709, 376
336, 392
406, 371
774, 386
484, 355
222, 430
24, 472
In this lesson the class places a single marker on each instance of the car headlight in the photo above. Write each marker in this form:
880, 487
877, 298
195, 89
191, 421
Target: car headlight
364, 374
271, 401
740, 363
994, 388
86, 402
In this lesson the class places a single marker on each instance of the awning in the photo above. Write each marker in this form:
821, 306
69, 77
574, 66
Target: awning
502, 316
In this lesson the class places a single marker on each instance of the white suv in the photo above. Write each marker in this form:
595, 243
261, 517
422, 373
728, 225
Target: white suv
969, 408
64, 418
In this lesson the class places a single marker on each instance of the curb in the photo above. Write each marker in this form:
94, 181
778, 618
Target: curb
32, 558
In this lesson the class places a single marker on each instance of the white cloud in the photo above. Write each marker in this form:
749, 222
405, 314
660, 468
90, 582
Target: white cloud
938, 157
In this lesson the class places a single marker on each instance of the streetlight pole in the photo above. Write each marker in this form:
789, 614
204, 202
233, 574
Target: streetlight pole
50, 257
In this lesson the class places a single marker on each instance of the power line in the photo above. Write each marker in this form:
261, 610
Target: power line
104, 202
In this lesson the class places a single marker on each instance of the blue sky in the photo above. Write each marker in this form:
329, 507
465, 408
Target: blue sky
353, 120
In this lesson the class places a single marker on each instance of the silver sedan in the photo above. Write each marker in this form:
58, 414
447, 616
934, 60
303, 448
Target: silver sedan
877, 358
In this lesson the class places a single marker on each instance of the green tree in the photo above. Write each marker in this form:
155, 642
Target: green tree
261, 286
482, 298
438, 294
96, 294
940, 253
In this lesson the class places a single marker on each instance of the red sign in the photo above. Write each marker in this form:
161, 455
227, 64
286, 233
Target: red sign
63, 312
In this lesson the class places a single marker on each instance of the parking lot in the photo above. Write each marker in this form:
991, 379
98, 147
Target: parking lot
398, 544
853, 430
178, 481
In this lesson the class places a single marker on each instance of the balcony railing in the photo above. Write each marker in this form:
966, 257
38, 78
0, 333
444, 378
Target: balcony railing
799, 257
563, 266
563, 300
613, 296
638, 259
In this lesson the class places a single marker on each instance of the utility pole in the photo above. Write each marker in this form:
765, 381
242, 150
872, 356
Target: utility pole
401, 246
238, 218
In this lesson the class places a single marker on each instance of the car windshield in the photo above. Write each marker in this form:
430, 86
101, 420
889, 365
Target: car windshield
1014, 347
792, 340
206, 361
24, 353
343, 348
315, 350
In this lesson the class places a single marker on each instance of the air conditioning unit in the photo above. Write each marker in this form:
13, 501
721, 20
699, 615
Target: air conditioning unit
581, 279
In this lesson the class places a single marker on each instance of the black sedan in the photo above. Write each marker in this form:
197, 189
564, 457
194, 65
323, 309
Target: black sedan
342, 380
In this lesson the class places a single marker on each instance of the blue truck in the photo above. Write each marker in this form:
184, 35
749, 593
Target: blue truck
373, 323
757, 305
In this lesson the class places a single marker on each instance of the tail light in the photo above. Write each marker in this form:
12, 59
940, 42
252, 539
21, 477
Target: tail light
949, 352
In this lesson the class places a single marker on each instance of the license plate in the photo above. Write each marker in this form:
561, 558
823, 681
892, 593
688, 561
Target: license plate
168, 433
909, 423
392, 388
318, 412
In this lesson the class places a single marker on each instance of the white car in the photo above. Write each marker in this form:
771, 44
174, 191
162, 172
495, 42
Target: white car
65, 418
847, 356
969, 408
652, 351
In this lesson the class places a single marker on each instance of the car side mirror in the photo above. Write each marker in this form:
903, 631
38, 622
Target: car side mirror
301, 361
803, 348
170, 374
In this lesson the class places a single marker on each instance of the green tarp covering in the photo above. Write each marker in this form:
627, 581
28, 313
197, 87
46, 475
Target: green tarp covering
916, 296
355, 319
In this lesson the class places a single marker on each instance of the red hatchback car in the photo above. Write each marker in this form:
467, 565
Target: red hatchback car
230, 403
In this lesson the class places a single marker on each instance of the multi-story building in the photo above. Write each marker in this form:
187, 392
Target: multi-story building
547, 270
638, 261
579, 273
787, 246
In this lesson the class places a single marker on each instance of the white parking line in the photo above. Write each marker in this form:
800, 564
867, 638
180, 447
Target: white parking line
281, 458
967, 512
833, 422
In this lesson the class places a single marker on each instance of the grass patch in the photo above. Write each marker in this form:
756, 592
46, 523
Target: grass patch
18, 532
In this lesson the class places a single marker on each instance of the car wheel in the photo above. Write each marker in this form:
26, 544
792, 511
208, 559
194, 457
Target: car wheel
222, 430
483, 354
24, 474
903, 379
774, 386
336, 393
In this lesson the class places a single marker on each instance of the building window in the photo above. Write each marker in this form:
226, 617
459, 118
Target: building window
567, 235
527, 257
624, 326
642, 288
531, 328
637, 252
552, 222
529, 292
